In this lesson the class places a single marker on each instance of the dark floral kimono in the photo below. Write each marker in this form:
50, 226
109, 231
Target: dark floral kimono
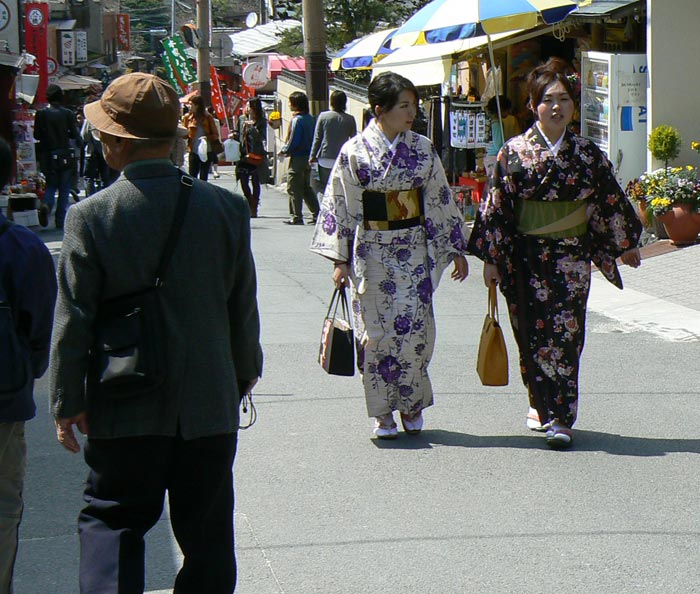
546, 280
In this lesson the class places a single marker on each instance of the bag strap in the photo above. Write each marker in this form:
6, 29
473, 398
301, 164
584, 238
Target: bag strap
186, 183
493, 301
339, 298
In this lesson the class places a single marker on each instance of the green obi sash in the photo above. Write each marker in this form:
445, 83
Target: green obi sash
554, 220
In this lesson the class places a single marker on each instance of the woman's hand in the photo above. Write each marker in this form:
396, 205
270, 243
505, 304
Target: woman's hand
341, 275
491, 274
632, 258
461, 270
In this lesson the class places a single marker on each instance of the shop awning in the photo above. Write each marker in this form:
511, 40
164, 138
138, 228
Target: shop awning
11, 60
26, 86
430, 64
277, 62
262, 38
73, 82
608, 9
64, 25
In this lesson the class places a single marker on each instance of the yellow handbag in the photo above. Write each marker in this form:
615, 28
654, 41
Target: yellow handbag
492, 360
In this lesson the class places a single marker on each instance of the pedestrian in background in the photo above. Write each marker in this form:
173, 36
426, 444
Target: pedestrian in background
390, 225
298, 147
553, 207
27, 296
182, 438
215, 156
201, 128
56, 130
253, 137
333, 129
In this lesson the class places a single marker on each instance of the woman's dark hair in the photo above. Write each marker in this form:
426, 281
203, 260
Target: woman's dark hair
553, 70
339, 101
299, 102
384, 90
491, 106
198, 101
256, 107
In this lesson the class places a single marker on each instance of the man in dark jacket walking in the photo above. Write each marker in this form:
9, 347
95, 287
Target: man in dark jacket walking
56, 128
27, 296
179, 439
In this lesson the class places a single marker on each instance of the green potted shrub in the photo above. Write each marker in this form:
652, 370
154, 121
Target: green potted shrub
664, 144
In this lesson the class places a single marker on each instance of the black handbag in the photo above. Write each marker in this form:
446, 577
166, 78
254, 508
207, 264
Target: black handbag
128, 356
337, 350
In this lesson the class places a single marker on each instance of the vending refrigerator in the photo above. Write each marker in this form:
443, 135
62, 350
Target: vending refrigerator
614, 109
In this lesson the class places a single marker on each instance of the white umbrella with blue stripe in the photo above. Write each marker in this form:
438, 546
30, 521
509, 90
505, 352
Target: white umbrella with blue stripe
363, 52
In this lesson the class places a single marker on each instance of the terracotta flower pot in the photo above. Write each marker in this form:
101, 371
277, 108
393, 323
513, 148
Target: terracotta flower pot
680, 225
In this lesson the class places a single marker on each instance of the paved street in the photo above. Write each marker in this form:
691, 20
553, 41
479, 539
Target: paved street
476, 504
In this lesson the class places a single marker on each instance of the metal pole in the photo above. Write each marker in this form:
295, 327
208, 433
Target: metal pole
203, 22
315, 54
172, 18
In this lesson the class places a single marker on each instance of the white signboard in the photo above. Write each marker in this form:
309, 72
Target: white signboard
633, 89
67, 49
9, 31
255, 75
81, 46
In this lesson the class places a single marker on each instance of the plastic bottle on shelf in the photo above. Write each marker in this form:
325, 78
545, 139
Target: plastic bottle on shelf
605, 79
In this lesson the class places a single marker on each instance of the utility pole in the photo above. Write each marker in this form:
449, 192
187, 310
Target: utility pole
315, 55
203, 24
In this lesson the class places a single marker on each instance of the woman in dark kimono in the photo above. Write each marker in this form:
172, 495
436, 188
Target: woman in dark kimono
553, 208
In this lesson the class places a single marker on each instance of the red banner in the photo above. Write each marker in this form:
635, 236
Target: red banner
123, 32
217, 101
36, 23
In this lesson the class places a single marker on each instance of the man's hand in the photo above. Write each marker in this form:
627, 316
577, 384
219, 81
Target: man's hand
66, 436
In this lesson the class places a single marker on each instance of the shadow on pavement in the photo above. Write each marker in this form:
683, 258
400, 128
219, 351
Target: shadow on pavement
585, 441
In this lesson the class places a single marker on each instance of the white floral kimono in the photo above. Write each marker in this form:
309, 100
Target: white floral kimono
394, 273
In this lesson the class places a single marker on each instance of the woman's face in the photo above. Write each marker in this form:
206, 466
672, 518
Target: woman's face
555, 110
400, 117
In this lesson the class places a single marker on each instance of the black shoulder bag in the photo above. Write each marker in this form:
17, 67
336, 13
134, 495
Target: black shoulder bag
128, 356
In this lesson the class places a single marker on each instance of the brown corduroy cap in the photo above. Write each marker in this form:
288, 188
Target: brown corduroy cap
136, 105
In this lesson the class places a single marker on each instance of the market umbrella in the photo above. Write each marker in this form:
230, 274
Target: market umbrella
447, 20
363, 52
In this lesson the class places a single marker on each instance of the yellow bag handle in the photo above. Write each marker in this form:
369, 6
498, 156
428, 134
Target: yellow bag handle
493, 301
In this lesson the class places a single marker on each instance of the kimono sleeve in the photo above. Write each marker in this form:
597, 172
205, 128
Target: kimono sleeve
337, 220
614, 224
491, 237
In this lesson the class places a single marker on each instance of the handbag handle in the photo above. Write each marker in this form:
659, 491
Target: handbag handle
339, 298
493, 301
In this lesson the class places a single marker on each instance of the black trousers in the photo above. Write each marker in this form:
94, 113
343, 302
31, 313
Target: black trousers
125, 493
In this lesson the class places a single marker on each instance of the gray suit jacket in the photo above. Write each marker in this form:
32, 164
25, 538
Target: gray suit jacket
111, 247
333, 130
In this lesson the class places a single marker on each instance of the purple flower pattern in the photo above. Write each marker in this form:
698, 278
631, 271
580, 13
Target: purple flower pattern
395, 308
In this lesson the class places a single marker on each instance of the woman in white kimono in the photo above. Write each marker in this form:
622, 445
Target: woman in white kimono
390, 225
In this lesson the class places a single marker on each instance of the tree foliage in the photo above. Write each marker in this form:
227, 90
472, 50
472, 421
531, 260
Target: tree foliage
347, 20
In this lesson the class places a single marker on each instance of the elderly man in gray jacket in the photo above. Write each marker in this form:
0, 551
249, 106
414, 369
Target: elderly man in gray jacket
181, 439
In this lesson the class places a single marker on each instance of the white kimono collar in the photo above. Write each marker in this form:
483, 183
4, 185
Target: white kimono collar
552, 147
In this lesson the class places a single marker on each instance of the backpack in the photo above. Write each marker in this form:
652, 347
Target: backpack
14, 363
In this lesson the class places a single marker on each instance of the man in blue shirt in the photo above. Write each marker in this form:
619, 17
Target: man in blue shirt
28, 286
297, 148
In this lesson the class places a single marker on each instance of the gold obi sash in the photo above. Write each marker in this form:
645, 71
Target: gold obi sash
554, 220
389, 211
